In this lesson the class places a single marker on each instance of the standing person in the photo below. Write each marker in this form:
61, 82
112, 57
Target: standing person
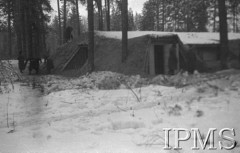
21, 64
68, 34
46, 55
172, 60
34, 65
50, 65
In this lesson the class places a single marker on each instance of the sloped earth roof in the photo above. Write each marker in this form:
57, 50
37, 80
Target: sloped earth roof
63, 55
185, 37
107, 42
108, 55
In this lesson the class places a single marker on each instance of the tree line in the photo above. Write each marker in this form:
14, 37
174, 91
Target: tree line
186, 15
29, 20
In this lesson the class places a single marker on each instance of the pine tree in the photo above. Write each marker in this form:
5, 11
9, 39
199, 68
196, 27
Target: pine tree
223, 32
175, 15
107, 8
100, 14
78, 19
116, 16
213, 14
137, 21
124, 30
131, 24
148, 17
29, 23
7, 11
64, 20
90, 34
9, 28
59, 23
234, 4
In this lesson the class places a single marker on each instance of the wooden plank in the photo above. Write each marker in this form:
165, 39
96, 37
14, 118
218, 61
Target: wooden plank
71, 57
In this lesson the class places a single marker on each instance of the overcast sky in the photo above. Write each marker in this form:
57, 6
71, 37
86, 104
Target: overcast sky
136, 6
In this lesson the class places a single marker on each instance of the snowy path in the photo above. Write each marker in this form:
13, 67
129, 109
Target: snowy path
114, 121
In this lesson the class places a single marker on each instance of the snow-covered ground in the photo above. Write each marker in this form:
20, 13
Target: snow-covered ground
63, 115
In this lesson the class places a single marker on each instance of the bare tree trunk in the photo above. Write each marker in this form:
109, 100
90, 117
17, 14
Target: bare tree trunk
42, 34
31, 52
59, 23
157, 14
185, 16
44, 42
90, 34
188, 15
237, 14
236, 17
64, 20
107, 6
17, 18
124, 30
175, 15
38, 44
214, 16
100, 15
78, 19
234, 23
223, 33
163, 15
9, 30
24, 29
106, 14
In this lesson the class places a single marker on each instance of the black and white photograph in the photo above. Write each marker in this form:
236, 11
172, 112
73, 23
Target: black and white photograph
119, 76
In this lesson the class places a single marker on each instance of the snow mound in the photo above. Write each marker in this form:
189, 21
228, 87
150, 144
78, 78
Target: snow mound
220, 80
110, 80
8, 72
105, 80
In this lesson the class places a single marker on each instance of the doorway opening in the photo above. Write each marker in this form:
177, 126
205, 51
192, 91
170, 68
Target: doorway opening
159, 59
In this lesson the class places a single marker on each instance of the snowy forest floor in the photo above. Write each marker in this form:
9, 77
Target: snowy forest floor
106, 112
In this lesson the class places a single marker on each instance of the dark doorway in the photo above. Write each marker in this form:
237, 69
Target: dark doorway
159, 59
